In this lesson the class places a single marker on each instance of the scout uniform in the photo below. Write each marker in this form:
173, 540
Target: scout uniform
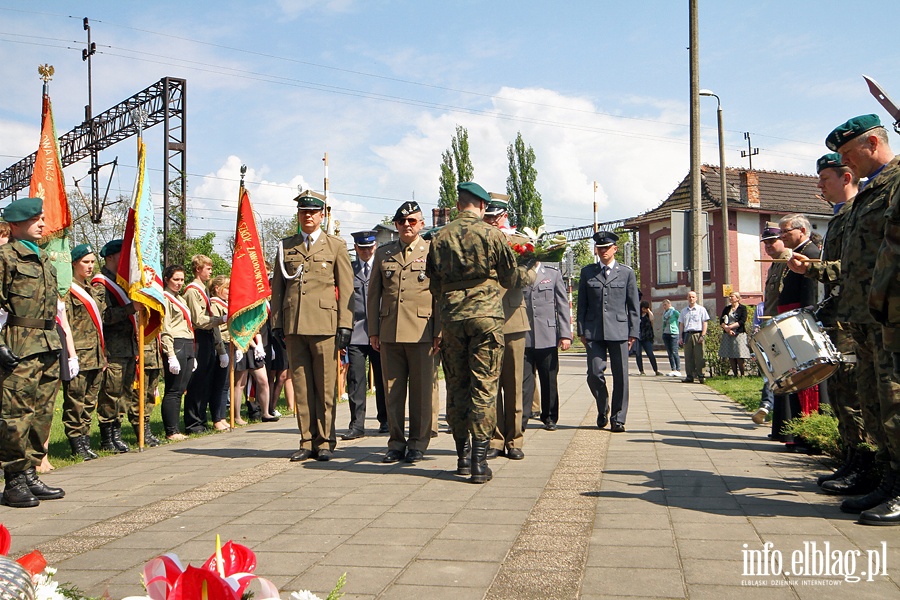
177, 339
468, 263
119, 327
29, 360
402, 314
80, 393
312, 296
205, 388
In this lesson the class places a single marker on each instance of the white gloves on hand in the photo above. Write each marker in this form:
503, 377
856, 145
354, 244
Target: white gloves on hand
73, 367
223, 360
238, 355
259, 353
193, 365
174, 366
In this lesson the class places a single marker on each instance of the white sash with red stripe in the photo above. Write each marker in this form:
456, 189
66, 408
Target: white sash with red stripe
203, 295
117, 292
181, 306
91, 306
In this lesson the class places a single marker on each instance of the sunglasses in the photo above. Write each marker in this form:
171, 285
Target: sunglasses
408, 221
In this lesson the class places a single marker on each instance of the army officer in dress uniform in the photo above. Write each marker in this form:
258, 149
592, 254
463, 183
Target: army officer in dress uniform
608, 322
312, 311
29, 355
403, 326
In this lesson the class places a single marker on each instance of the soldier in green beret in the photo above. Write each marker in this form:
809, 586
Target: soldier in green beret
29, 355
86, 322
469, 264
869, 260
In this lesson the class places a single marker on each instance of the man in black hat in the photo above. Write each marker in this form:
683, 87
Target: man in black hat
608, 321
29, 355
359, 349
312, 310
404, 327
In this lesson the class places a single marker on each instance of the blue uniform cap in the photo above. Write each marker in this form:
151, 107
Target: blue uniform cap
364, 239
605, 238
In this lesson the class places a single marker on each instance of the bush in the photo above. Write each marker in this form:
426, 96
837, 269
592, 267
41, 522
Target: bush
722, 366
819, 430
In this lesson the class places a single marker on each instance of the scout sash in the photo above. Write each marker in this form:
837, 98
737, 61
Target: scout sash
182, 307
117, 292
91, 306
203, 295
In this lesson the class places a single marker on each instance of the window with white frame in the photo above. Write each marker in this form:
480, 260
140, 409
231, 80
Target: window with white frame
664, 273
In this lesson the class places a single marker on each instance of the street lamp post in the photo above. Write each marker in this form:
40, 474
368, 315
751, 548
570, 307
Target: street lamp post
726, 246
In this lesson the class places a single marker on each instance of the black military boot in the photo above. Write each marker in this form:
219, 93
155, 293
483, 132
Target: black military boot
881, 494
150, 440
41, 490
481, 472
121, 447
77, 444
464, 456
86, 444
863, 477
16, 492
886, 513
850, 458
106, 441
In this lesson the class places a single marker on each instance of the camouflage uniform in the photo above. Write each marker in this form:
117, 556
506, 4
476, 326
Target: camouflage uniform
863, 235
28, 292
153, 371
80, 394
883, 192
467, 259
841, 387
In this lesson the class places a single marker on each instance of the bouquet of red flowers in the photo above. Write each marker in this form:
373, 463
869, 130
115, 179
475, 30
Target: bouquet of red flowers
540, 246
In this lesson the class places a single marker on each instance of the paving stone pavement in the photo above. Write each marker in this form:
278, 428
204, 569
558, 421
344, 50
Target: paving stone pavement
674, 508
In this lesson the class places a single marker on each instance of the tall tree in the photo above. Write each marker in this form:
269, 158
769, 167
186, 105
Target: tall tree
448, 196
456, 166
525, 208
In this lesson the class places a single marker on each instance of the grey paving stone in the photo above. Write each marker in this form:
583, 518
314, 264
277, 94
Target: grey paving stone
439, 573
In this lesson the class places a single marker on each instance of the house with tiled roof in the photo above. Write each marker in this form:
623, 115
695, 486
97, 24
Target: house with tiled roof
754, 197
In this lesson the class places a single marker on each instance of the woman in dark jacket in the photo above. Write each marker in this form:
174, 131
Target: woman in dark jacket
734, 334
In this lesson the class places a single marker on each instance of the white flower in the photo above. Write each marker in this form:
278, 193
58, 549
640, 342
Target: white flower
304, 595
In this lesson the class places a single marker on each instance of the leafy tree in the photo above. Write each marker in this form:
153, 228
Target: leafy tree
456, 166
583, 254
525, 208
273, 230
447, 194
204, 245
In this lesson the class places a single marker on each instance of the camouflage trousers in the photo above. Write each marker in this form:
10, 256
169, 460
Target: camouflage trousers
842, 394
80, 402
117, 390
879, 394
472, 350
27, 397
151, 386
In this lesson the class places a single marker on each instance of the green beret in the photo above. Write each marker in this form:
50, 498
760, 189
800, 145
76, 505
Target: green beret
22, 209
470, 187
831, 160
111, 247
851, 129
409, 207
310, 200
80, 251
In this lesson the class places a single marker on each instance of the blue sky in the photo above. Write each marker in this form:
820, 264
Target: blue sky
599, 89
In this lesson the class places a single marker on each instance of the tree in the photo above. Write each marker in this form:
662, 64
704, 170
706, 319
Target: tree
582, 255
204, 245
525, 208
84, 231
456, 166
273, 230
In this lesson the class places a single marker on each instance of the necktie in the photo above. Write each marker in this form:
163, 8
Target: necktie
605, 270
308, 242
366, 269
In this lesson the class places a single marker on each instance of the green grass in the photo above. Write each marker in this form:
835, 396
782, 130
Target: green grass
743, 390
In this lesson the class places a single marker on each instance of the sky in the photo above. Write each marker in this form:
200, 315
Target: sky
599, 89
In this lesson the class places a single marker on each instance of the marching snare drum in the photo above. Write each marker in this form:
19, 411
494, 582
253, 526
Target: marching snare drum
794, 353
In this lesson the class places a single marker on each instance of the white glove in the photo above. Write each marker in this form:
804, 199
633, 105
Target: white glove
194, 365
259, 353
238, 355
174, 366
223, 360
73, 367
